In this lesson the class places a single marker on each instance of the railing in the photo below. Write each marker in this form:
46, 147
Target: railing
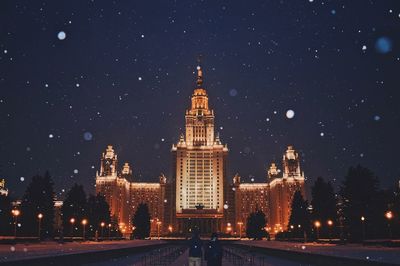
161, 256
244, 257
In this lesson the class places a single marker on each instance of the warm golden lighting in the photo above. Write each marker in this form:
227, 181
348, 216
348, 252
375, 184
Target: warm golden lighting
362, 218
228, 227
15, 212
109, 225
40, 216
102, 224
330, 222
389, 215
72, 220
170, 229
291, 226
84, 221
317, 224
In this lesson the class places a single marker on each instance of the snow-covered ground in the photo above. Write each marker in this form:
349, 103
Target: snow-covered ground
373, 253
47, 249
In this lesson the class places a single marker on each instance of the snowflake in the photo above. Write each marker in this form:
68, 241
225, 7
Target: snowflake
61, 35
290, 114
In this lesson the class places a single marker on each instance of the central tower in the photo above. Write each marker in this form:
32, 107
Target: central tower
199, 168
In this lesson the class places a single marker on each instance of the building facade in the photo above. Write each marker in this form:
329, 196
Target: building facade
199, 163
274, 196
3, 189
199, 195
124, 195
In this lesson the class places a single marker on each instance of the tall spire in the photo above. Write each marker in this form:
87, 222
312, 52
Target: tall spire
199, 73
199, 77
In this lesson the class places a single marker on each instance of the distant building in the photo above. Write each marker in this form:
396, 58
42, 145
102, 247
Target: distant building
124, 195
273, 197
3, 189
199, 194
199, 162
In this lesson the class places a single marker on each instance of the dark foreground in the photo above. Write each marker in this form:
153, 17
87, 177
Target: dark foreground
150, 252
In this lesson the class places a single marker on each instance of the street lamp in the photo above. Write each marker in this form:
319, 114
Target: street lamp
389, 216
109, 231
72, 221
363, 227
15, 213
317, 225
102, 228
151, 226
40, 216
158, 229
170, 229
84, 222
330, 223
228, 228
240, 229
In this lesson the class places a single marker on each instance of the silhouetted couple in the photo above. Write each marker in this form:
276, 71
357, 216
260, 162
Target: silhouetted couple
212, 251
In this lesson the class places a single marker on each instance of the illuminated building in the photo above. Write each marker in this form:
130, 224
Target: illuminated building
124, 195
273, 197
3, 189
199, 168
199, 194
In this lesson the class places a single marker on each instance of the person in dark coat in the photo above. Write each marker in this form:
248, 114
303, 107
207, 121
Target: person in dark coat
195, 250
213, 254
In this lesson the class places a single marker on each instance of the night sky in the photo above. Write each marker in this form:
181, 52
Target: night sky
78, 75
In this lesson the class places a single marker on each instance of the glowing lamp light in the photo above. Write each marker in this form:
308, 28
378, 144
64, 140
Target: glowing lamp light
84, 221
102, 224
317, 224
72, 220
330, 222
389, 215
15, 212
40, 216
362, 218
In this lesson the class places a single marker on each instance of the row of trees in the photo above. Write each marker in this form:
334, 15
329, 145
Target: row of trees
255, 225
359, 211
80, 215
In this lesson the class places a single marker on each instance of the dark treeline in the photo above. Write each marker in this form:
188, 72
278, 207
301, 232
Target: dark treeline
360, 210
255, 225
37, 214
141, 222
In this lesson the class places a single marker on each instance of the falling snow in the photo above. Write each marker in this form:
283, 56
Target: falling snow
290, 114
61, 35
